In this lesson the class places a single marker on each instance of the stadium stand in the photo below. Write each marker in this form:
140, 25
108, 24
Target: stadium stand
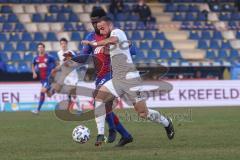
187, 33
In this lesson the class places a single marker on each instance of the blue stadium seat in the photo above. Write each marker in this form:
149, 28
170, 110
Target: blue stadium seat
148, 35
8, 47
26, 36
214, 44
144, 45
194, 35
140, 26
164, 54
33, 46
6, 9
65, 9
54, 9
73, 17
28, 57
238, 35
235, 16
7, 27
176, 55
75, 36
80, 27
222, 54
197, 25
3, 37
185, 25
11, 68
61, 17
121, 17
140, 55
19, 27
226, 45
193, 8
37, 17
201, 16
232, 24
68, 27
170, 7
234, 54
3, 18
225, 16
156, 45
160, 36
202, 44
38, 36
12, 18
21, 46
14, 37
51, 36
217, 35
210, 54
190, 16
206, 35
15, 57
136, 35
3, 57
128, 26
23, 68
178, 17
182, 8
54, 54
151, 54
133, 17
49, 18
167, 44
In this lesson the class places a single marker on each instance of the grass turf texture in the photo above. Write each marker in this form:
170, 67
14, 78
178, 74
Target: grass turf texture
202, 133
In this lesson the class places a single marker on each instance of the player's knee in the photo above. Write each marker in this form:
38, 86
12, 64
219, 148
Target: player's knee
44, 90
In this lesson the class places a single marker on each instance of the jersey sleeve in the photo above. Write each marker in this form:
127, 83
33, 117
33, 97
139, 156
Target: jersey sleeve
34, 61
87, 49
119, 34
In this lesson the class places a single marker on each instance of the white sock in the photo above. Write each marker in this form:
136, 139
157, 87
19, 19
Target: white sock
155, 116
100, 115
100, 121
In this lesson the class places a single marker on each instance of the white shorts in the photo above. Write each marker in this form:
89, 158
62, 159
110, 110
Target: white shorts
124, 89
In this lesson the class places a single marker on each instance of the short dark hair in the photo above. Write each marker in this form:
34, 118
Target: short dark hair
106, 19
98, 12
41, 44
64, 40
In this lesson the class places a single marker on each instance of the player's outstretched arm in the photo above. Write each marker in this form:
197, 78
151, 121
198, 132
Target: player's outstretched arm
110, 40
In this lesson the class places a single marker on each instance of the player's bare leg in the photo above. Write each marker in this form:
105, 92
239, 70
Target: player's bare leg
155, 116
102, 96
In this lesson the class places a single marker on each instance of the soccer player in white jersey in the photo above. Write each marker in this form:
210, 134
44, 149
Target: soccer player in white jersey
72, 79
125, 77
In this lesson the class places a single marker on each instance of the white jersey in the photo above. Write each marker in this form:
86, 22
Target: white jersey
72, 78
121, 49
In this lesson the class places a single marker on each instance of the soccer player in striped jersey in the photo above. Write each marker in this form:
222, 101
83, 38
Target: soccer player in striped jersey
42, 66
103, 74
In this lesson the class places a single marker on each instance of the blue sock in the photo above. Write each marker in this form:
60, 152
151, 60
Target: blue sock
119, 127
41, 101
110, 120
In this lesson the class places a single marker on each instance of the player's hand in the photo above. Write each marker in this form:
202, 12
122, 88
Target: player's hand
34, 75
85, 42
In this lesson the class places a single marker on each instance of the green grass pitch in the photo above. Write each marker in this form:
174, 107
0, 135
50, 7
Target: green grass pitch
201, 134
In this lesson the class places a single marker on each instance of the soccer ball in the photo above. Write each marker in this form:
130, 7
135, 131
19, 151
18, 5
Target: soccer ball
81, 134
